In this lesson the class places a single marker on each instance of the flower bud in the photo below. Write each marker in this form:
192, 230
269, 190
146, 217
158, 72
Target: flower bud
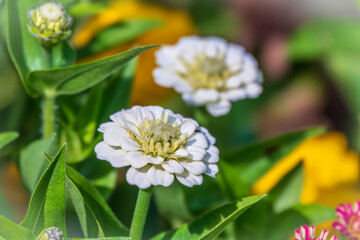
49, 23
52, 233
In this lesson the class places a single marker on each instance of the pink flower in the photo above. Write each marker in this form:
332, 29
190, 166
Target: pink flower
348, 220
307, 233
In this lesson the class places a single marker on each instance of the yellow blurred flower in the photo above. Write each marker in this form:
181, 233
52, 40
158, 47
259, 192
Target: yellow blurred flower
328, 164
176, 24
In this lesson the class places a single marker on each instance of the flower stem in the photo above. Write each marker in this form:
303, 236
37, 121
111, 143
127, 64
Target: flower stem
48, 116
140, 213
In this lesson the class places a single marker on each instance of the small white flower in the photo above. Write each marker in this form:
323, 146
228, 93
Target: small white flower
208, 71
158, 145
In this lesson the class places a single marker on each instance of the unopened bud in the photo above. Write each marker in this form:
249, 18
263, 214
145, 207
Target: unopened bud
49, 23
52, 233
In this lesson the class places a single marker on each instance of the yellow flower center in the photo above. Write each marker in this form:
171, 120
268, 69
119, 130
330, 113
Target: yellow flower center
207, 72
158, 138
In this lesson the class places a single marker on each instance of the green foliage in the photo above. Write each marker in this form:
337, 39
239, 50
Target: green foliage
94, 214
253, 161
120, 33
47, 204
281, 213
319, 39
335, 44
287, 192
26, 53
75, 79
7, 137
212, 223
12, 231
171, 202
33, 163
86, 8
33, 61
110, 238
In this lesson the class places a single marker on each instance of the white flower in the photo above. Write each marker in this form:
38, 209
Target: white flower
208, 71
158, 145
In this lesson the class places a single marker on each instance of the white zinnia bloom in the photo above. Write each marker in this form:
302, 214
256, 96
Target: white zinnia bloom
208, 71
158, 145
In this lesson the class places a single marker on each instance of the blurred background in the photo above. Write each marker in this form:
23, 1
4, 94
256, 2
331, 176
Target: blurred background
308, 50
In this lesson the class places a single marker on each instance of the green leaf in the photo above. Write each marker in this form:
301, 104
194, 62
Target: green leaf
86, 122
47, 203
88, 222
11, 231
110, 238
253, 223
119, 34
287, 192
26, 53
226, 178
253, 161
7, 137
83, 9
281, 226
63, 55
75, 79
32, 161
96, 205
212, 223
171, 203
72, 138
316, 39
117, 94
315, 213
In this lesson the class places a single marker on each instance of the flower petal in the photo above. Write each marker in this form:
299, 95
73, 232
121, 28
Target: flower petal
153, 160
212, 170
157, 176
189, 179
172, 166
103, 150
103, 126
181, 153
136, 159
138, 177
194, 167
195, 153
118, 159
198, 139
187, 127
234, 94
212, 155
253, 90
210, 138
156, 110
219, 109
206, 95
114, 134
128, 144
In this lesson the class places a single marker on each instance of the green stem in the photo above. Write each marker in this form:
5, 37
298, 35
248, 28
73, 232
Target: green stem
48, 116
140, 213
